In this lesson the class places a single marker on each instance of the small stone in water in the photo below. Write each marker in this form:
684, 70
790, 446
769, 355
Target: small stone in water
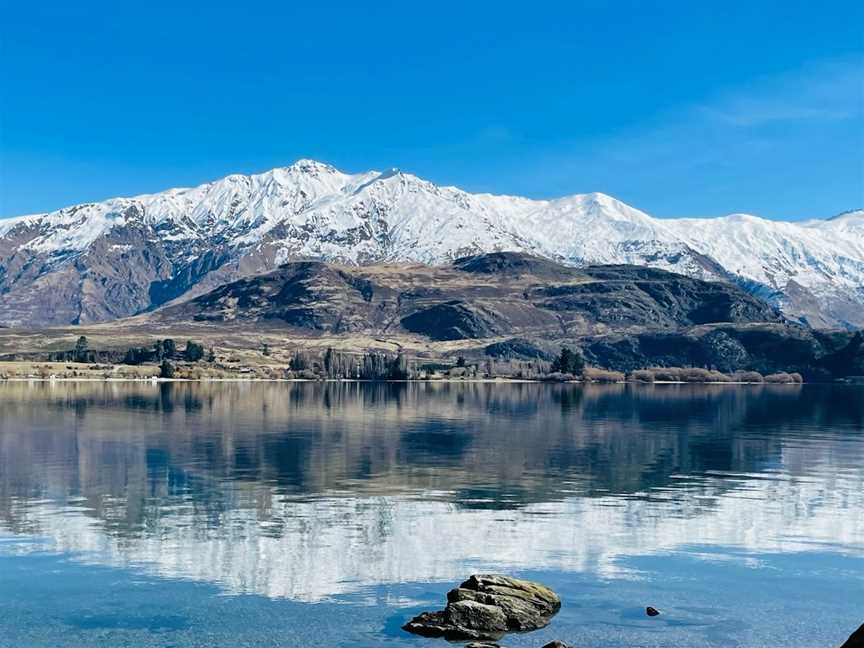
650, 611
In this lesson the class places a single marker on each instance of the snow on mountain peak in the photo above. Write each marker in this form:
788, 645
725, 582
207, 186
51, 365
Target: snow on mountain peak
602, 200
742, 217
855, 216
312, 209
389, 173
311, 166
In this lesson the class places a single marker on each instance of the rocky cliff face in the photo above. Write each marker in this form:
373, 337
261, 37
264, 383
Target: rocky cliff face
100, 261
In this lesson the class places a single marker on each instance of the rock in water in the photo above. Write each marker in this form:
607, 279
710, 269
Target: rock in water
486, 606
856, 639
650, 611
557, 644
526, 605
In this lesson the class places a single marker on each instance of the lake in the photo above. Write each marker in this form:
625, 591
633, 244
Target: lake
301, 514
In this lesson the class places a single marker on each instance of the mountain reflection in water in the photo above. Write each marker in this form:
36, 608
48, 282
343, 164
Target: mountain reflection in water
311, 490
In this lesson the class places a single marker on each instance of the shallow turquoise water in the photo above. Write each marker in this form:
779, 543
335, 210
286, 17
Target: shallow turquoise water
328, 514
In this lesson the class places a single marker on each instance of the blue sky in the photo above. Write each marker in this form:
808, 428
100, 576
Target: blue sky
678, 108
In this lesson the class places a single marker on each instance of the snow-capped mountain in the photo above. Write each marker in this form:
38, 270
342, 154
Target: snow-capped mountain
100, 261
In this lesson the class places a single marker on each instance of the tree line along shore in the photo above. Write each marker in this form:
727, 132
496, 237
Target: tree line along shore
166, 359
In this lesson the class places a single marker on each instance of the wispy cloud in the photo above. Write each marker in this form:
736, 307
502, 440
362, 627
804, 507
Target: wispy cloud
756, 114
825, 92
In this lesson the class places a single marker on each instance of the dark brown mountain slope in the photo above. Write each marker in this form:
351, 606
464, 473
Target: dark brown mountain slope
477, 297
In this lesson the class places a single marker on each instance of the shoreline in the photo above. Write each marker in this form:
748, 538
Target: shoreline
500, 381
279, 369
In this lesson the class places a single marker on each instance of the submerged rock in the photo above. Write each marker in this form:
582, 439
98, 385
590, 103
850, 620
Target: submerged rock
486, 606
856, 639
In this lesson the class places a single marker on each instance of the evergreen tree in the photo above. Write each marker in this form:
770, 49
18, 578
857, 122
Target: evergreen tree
81, 350
568, 362
169, 348
299, 361
133, 356
166, 369
194, 351
398, 368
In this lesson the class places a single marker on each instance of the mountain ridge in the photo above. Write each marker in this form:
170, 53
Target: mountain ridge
111, 259
621, 317
480, 296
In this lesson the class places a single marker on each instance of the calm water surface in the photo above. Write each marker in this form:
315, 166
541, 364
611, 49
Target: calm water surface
328, 514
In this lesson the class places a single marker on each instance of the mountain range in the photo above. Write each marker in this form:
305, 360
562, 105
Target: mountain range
97, 262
